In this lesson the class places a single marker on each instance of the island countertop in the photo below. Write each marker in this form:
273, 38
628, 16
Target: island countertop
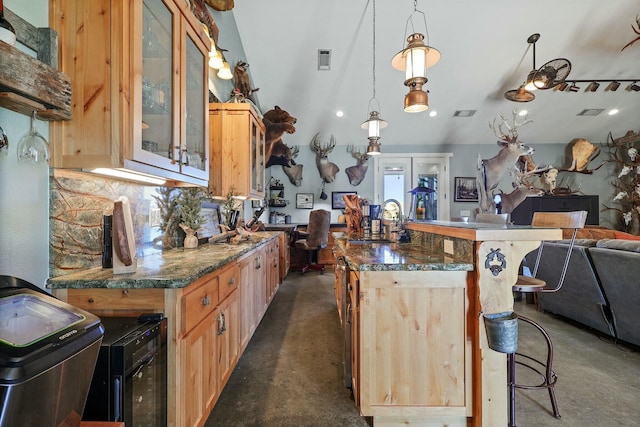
174, 268
391, 256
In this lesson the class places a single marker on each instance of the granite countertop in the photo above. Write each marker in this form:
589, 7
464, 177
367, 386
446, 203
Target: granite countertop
390, 256
174, 268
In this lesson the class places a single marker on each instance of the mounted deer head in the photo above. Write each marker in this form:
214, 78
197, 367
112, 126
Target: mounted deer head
491, 171
294, 172
281, 154
356, 173
327, 169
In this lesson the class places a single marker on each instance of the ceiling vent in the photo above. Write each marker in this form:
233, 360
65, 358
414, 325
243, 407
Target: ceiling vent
590, 112
324, 59
464, 113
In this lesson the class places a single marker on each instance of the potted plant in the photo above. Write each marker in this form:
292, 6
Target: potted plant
167, 202
190, 203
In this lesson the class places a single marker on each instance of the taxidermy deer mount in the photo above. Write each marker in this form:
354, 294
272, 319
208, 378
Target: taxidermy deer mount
491, 171
327, 169
293, 171
356, 173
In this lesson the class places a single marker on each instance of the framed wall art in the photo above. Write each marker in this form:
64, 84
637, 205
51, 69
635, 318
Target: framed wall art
465, 189
337, 202
304, 200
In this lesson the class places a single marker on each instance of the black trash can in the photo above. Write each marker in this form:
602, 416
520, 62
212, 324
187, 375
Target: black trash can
48, 351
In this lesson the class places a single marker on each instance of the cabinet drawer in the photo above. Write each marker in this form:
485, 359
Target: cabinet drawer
229, 279
199, 302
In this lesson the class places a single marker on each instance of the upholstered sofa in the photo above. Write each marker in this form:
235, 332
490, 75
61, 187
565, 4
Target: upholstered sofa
601, 286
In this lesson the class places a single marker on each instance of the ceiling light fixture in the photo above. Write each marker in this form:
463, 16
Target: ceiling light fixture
375, 122
612, 87
594, 84
414, 61
592, 87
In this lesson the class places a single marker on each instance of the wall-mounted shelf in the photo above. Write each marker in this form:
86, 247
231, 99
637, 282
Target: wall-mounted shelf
28, 83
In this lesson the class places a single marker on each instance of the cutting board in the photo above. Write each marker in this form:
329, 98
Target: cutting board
124, 241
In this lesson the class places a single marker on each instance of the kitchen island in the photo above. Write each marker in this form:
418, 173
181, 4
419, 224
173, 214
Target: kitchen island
414, 317
213, 298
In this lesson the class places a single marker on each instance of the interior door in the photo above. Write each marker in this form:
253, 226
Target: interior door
397, 174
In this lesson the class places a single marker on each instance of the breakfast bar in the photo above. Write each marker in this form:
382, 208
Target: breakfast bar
414, 317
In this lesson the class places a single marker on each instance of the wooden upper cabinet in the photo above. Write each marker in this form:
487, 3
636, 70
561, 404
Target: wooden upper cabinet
139, 78
236, 141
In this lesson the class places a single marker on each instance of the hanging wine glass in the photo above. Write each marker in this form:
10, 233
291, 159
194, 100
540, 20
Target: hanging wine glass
4, 143
32, 147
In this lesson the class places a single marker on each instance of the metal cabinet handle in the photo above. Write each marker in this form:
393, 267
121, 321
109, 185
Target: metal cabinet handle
206, 300
223, 324
232, 280
258, 263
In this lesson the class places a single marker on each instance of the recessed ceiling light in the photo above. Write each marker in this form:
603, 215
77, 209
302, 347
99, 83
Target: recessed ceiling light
433, 113
613, 112
523, 113
339, 113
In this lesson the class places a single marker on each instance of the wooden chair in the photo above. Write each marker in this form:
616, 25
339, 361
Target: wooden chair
566, 220
315, 238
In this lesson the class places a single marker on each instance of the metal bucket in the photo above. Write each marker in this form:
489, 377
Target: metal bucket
502, 331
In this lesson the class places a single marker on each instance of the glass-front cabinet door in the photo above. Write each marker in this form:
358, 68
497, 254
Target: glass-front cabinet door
257, 159
174, 92
195, 120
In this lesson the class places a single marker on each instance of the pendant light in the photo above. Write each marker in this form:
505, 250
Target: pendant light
375, 122
414, 61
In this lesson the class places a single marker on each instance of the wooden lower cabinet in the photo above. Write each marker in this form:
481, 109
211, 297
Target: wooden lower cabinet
209, 324
409, 330
228, 348
198, 350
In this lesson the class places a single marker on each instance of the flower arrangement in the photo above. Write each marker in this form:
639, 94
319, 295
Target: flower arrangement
623, 152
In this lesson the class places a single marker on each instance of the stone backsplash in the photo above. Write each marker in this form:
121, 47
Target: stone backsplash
77, 203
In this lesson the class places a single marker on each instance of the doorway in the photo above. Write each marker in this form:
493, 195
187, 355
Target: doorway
396, 174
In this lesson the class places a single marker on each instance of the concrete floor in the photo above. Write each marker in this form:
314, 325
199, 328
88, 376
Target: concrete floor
291, 372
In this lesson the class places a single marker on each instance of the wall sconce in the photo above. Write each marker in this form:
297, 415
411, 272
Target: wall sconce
414, 61
224, 73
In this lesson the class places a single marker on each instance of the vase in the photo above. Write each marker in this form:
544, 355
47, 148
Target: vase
190, 241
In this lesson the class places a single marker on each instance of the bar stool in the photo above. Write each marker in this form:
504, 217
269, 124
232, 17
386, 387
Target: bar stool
565, 220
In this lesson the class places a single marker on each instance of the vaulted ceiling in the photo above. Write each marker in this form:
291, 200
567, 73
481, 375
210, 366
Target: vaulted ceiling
484, 53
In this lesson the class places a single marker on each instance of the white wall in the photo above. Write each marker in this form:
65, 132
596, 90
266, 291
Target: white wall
24, 189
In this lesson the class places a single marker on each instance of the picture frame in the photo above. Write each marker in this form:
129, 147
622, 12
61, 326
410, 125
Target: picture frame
465, 189
337, 202
304, 200
211, 214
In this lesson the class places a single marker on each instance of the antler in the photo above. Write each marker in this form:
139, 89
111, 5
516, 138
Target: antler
637, 31
332, 144
512, 130
315, 143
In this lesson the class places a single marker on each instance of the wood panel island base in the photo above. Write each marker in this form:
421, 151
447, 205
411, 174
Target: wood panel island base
419, 351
